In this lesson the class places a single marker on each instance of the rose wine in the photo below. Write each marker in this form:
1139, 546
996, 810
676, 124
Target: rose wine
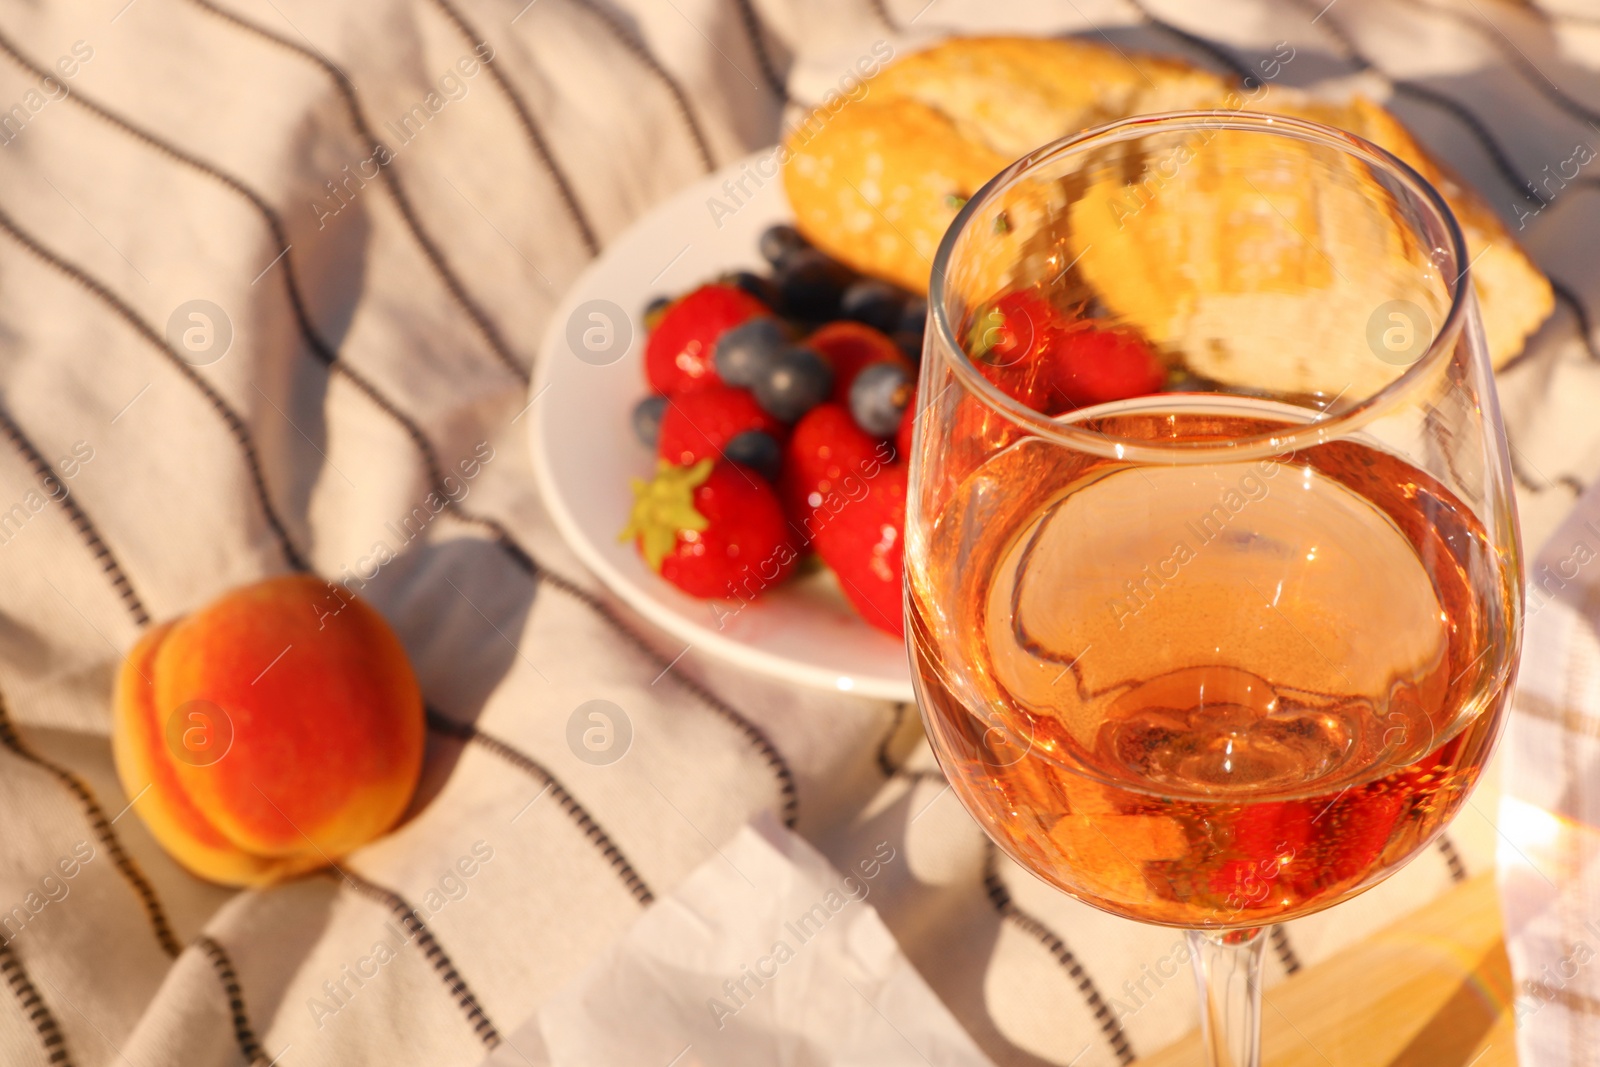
1208, 695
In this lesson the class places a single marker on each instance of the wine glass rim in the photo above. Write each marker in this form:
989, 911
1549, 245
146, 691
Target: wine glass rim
1246, 446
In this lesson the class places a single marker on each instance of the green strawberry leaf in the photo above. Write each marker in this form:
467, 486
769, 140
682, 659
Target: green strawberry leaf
663, 507
985, 332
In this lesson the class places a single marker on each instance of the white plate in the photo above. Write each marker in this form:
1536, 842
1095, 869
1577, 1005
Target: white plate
584, 450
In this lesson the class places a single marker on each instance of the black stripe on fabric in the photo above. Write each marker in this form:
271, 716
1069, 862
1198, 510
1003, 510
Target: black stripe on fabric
755, 735
100, 825
1580, 1004
222, 964
1520, 475
1515, 57
34, 1007
1000, 897
1580, 311
1570, 719
469, 733
880, 11
1577, 18
57, 490
236, 425
886, 762
1211, 48
1452, 858
423, 938
391, 180
753, 29
1484, 136
1278, 936
674, 88
1480, 131
1540, 484
536, 140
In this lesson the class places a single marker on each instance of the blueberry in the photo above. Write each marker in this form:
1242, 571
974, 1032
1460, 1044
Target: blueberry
910, 343
878, 397
743, 353
914, 314
913, 324
756, 285
810, 284
796, 380
656, 308
757, 450
878, 304
647, 420
780, 242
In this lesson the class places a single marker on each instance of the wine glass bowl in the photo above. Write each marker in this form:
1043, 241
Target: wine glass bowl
1213, 580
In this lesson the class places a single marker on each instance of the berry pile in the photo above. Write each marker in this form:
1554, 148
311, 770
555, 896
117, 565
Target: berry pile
781, 407
779, 412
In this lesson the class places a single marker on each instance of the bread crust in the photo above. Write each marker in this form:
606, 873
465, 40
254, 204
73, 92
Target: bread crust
877, 182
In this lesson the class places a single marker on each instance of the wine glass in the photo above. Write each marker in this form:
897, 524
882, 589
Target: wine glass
1212, 568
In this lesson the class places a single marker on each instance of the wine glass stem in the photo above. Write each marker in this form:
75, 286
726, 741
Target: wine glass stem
1227, 966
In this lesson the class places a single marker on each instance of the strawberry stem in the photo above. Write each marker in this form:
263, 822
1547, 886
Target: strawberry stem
663, 507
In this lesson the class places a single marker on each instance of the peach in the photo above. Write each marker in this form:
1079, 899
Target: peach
269, 733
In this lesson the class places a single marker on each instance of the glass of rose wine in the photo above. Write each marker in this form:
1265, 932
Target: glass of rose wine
1213, 578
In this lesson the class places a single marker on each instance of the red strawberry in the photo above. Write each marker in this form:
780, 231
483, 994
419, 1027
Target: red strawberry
1093, 365
1055, 364
1012, 343
711, 529
1268, 840
825, 449
1358, 824
864, 543
699, 424
902, 436
677, 356
849, 346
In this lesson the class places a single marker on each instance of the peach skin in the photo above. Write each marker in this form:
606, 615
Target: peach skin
269, 733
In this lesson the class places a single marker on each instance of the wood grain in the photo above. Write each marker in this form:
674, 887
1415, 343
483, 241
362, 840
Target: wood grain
1432, 990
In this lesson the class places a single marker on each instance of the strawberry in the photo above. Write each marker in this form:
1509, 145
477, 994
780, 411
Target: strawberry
1268, 839
711, 529
1012, 343
677, 356
864, 544
825, 449
1357, 826
1093, 365
699, 424
1055, 364
849, 346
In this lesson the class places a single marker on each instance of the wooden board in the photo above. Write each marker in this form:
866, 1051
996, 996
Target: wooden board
1430, 991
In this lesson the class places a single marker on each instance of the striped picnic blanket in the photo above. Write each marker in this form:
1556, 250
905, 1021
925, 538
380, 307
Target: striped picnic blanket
373, 207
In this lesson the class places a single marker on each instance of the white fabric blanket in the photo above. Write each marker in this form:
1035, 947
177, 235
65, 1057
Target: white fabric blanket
171, 154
